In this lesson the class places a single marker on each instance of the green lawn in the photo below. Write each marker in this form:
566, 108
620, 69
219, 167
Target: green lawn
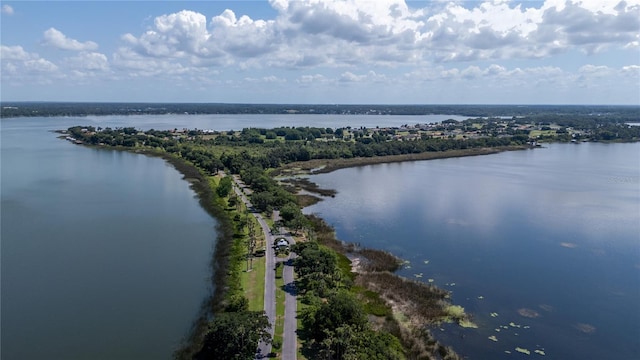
536, 133
277, 337
253, 284
299, 311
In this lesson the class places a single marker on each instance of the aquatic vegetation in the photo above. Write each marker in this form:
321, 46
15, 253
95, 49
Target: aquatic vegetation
493, 338
529, 313
568, 245
378, 260
546, 307
465, 323
523, 350
455, 311
585, 328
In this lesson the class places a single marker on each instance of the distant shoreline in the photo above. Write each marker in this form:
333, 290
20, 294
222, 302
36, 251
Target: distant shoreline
12, 109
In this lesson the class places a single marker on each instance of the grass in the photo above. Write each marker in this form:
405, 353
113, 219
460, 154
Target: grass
253, 284
305, 200
372, 302
280, 294
378, 260
300, 309
329, 165
536, 133
310, 186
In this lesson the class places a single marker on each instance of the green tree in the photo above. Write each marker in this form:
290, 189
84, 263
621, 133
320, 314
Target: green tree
235, 335
288, 212
346, 343
224, 187
233, 199
340, 309
313, 259
262, 200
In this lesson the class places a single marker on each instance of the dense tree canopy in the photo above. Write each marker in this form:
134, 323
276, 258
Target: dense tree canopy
235, 335
224, 187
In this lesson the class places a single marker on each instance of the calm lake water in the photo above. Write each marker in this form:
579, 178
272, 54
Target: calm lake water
552, 234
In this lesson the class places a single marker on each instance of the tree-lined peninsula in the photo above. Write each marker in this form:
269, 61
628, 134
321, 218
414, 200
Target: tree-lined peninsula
352, 305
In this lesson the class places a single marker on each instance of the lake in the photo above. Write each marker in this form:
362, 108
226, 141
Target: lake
540, 246
106, 254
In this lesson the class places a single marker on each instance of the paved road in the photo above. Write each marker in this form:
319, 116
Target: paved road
289, 342
269, 274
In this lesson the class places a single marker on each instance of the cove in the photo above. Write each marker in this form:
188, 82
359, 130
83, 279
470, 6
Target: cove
540, 246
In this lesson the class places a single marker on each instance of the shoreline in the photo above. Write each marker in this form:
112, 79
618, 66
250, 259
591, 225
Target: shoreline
323, 166
220, 262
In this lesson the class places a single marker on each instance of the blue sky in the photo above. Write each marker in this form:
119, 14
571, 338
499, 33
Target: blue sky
321, 51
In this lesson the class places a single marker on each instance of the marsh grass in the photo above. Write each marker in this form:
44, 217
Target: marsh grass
320, 166
400, 306
310, 186
421, 303
378, 260
304, 200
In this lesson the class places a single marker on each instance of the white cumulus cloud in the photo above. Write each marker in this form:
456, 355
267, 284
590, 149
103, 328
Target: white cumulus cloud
7, 9
89, 61
57, 39
14, 53
19, 67
389, 32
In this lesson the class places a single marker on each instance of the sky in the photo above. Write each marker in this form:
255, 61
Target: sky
322, 51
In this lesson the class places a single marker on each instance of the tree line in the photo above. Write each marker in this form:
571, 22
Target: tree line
30, 109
